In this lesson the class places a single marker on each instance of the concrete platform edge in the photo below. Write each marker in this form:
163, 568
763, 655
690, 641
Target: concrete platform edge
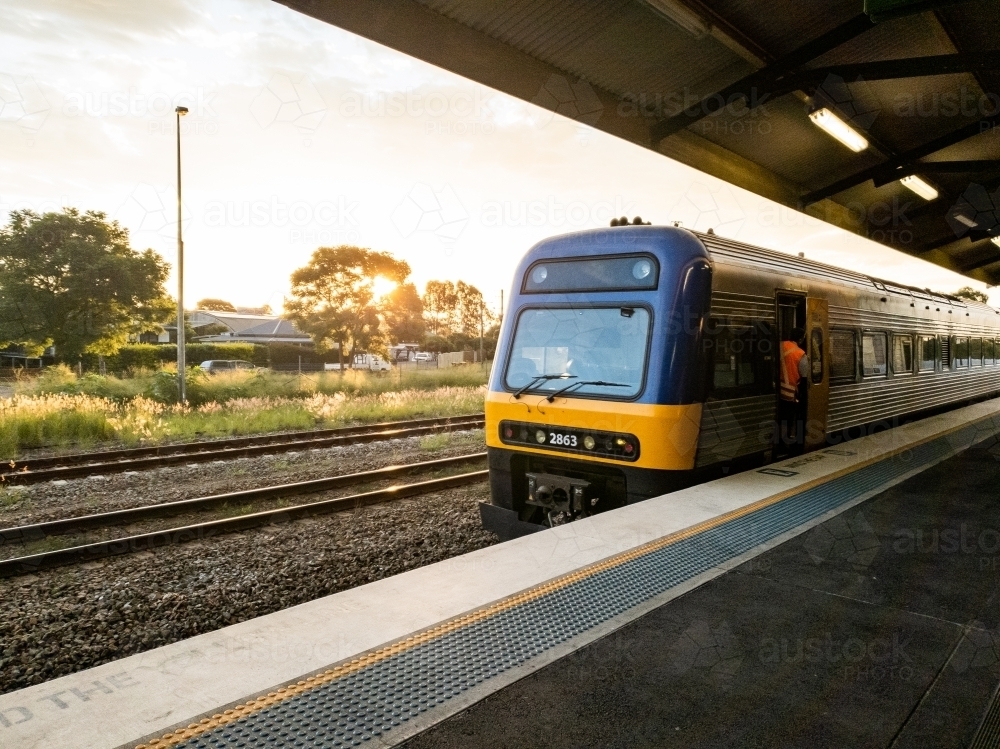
442, 591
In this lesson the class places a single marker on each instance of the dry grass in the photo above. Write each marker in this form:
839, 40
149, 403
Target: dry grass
81, 420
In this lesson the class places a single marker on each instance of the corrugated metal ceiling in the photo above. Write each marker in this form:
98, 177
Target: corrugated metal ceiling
625, 49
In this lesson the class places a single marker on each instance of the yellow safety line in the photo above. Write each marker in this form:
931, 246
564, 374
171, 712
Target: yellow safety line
283, 693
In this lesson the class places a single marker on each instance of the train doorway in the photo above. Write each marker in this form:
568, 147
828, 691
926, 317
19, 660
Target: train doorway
790, 313
811, 315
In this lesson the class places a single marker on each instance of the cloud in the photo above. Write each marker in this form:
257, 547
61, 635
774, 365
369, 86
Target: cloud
114, 21
23, 103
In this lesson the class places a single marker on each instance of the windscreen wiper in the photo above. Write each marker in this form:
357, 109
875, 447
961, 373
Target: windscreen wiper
542, 378
572, 385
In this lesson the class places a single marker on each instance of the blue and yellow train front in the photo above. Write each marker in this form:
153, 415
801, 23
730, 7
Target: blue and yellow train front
595, 397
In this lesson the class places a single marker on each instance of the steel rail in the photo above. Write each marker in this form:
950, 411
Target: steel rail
213, 528
62, 526
50, 461
201, 452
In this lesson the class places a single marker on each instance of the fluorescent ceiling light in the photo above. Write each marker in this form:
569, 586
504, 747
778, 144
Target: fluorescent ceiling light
920, 187
839, 129
964, 220
684, 17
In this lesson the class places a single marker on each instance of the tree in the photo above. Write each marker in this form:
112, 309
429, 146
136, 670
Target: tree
971, 295
403, 313
264, 309
70, 279
473, 316
332, 297
215, 305
440, 306
436, 344
454, 309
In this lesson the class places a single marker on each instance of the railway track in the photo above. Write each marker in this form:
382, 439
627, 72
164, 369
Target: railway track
81, 465
200, 531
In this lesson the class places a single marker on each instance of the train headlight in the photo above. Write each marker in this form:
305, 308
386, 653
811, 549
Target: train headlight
539, 274
540, 436
642, 269
588, 442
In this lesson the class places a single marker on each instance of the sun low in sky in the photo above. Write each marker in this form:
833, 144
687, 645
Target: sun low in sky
382, 286
302, 135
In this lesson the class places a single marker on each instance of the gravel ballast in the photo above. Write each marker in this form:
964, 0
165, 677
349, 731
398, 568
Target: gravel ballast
64, 620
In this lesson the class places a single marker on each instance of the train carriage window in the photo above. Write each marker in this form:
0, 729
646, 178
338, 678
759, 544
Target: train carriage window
928, 353
816, 355
732, 356
741, 359
902, 354
989, 351
843, 356
976, 351
873, 355
960, 353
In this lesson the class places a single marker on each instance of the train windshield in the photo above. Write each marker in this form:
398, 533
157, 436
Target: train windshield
583, 351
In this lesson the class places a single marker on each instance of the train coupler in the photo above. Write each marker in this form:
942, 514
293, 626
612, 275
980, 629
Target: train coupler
561, 498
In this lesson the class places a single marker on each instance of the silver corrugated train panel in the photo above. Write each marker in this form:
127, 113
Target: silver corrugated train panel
745, 280
858, 318
727, 305
732, 428
883, 399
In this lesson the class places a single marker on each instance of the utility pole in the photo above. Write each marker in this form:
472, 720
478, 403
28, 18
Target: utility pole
482, 361
181, 361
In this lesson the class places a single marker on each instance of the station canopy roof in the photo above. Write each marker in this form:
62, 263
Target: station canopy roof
733, 87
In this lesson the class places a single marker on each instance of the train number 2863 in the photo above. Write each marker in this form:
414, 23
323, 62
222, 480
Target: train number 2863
566, 440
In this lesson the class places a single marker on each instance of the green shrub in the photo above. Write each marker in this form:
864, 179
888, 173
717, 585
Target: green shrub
53, 379
153, 356
288, 353
137, 356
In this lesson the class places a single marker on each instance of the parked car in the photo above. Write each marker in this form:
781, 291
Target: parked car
423, 356
224, 365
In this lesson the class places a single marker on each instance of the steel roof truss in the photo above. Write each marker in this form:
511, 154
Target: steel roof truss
764, 80
895, 167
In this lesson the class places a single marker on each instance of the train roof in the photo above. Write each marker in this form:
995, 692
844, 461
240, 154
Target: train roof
741, 252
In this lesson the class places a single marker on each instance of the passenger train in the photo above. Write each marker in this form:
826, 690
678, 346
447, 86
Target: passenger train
639, 359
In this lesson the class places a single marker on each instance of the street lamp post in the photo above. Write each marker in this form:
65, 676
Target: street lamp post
181, 362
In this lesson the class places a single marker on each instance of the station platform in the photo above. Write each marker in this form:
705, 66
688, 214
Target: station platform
843, 598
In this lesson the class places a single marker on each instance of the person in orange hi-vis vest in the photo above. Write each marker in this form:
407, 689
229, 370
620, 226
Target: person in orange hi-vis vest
794, 373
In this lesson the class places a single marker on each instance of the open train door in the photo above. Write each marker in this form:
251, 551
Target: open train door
817, 346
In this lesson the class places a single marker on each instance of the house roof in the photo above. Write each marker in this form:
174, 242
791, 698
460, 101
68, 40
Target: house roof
244, 328
235, 321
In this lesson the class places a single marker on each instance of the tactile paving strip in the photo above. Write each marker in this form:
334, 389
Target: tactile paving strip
371, 696
988, 734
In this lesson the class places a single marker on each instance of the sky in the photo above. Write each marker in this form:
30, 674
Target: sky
302, 135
